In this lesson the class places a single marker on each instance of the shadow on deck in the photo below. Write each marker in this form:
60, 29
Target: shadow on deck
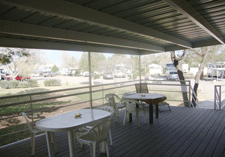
182, 132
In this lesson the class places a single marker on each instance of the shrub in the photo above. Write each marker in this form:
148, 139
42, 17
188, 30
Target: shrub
53, 82
9, 84
13, 84
96, 76
28, 84
32, 83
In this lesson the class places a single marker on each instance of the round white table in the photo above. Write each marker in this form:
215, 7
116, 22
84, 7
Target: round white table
68, 122
149, 98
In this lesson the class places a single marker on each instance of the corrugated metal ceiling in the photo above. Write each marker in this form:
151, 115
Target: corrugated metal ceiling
155, 14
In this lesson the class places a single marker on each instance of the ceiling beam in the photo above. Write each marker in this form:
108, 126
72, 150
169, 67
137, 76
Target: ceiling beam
35, 44
73, 11
191, 13
23, 29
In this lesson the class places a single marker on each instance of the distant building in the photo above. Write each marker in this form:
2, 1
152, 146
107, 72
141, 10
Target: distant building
155, 69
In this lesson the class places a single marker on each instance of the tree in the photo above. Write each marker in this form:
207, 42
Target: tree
176, 58
68, 61
96, 61
21, 61
55, 69
203, 54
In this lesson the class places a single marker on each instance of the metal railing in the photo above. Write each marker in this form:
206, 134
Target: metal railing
218, 104
34, 103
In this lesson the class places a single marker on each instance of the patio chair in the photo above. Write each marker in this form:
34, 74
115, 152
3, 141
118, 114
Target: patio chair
105, 108
141, 88
131, 108
96, 135
34, 130
164, 103
111, 99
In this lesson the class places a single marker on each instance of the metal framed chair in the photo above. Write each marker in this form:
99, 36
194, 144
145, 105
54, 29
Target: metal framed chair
141, 88
164, 103
96, 135
111, 99
34, 130
131, 108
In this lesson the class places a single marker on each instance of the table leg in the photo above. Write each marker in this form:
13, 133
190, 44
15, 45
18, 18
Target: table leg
71, 143
150, 113
130, 117
157, 110
49, 144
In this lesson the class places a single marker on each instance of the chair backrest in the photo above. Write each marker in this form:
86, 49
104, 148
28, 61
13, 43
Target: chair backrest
107, 108
131, 105
141, 88
111, 99
28, 122
100, 130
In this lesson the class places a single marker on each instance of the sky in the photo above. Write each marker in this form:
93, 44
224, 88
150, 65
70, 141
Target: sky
54, 56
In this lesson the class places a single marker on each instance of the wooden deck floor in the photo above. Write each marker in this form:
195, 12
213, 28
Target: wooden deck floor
183, 132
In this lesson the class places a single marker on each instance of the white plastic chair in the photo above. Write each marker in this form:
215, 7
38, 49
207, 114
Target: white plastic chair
131, 108
96, 135
34, 130
105, 108
111, 99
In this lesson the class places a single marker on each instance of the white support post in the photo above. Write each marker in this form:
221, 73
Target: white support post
90, 79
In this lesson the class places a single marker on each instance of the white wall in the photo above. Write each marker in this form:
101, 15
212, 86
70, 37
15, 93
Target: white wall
194, 70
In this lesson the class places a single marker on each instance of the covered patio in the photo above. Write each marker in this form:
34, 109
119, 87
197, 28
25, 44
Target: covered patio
124, 27
182, 132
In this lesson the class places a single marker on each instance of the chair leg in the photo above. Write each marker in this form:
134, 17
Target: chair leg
107, 148
169, 108
125, 116
54, 142
144, 114
92, 148
137, 116
110, 136
32, 143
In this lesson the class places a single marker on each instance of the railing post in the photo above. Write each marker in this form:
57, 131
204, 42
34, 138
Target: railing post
215, 97
31, 104
189, 93
220, 97
103, 94
140, 71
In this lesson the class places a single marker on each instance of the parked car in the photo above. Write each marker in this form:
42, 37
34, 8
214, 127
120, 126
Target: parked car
86, 74
49, 74
36, 74
172, 75
8, 78
107, 76
21, 78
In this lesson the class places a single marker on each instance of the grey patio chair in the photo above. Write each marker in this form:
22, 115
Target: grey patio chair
141, 88
111, 99
34, 130
164, 103
96, 135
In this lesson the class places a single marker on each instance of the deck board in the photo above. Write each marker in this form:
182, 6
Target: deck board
182, 132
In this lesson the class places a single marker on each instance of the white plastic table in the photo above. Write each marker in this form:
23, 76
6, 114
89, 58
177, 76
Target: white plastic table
149, 98
68, 122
